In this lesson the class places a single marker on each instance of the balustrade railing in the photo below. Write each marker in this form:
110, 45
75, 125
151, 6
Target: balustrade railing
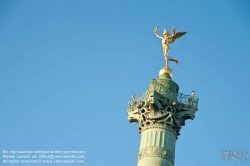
155, 86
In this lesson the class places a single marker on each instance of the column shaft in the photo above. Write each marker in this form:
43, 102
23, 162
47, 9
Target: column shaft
157, 148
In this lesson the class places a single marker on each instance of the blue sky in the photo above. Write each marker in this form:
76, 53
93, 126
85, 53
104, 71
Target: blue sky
68, 68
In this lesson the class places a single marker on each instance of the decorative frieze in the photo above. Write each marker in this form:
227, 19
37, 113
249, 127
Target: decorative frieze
154, 151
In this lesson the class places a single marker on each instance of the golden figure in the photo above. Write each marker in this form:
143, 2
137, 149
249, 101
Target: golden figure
168, 39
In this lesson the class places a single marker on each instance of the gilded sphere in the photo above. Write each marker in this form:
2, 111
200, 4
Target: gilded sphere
165, 71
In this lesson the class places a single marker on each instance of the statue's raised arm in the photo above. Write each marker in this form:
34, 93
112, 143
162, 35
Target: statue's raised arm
174, 31
156, 33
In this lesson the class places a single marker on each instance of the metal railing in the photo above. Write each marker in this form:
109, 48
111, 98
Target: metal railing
155, 86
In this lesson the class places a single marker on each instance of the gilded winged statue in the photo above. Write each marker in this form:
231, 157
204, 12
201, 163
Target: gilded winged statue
168, 39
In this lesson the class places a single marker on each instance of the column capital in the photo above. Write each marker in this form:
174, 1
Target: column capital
161, 106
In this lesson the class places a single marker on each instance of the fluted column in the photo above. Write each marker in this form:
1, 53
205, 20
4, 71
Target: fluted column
157, 148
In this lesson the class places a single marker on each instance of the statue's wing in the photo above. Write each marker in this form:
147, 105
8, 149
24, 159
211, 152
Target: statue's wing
172, 38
